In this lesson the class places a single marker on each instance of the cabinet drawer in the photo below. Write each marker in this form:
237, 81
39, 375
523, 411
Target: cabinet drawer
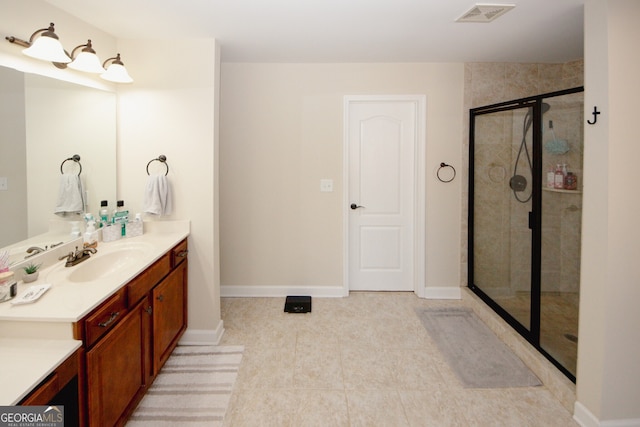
145, 281
179, 253
46, 391
105, 317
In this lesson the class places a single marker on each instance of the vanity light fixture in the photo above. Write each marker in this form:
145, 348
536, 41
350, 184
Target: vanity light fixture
115, 71
47, 47
87, 60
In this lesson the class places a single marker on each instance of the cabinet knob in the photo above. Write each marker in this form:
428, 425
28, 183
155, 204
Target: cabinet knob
149, 310
160, 298
183, 254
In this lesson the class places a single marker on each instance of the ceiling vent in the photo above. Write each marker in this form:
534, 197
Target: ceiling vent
485, 12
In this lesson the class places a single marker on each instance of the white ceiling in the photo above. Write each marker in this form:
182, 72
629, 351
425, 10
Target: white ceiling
349, 30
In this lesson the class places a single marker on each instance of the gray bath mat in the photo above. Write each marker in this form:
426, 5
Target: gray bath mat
474, 352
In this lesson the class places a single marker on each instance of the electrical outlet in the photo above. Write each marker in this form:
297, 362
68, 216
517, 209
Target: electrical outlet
326, 185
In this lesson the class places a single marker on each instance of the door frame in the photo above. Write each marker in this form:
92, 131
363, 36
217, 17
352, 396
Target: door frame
419, 192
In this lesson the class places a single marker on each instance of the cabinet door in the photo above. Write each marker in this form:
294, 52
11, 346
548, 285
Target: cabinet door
169, 314
118, 369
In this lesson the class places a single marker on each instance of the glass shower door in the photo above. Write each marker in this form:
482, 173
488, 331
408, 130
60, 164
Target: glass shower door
525, 210
502, 200
561, 229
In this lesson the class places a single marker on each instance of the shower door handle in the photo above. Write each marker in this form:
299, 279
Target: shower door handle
530, 220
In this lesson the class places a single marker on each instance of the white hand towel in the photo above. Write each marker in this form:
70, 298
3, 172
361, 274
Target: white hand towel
70, 195
157, 198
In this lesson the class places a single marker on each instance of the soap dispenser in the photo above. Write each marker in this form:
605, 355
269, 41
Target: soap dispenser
90, 239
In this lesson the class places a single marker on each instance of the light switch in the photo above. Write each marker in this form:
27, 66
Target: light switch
4, 183
326, 185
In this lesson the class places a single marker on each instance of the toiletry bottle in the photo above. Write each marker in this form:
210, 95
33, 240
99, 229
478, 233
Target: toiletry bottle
104, 213
551, 178
90, 239
121, 216
75, 229
570, 181
119, 204
558, 182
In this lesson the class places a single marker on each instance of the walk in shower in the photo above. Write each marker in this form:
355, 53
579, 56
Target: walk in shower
525, 209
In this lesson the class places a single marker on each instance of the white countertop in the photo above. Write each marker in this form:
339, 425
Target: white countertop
36, 338
24, 363
69, 302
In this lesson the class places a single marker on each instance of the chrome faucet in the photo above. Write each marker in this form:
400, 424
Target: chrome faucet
74, 258
33, 250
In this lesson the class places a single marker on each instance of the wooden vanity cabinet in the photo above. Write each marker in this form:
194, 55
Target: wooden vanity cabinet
169, 314
118, 369
130, 336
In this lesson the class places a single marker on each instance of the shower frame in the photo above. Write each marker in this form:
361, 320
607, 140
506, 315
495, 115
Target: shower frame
532, 334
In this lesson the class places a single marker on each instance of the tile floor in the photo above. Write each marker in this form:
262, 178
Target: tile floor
558, 318
364, 360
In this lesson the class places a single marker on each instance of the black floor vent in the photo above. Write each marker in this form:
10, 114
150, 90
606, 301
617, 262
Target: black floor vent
297, 304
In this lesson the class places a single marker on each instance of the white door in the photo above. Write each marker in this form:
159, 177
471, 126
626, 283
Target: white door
381, 138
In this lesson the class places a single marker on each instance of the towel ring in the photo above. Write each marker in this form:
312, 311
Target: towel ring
162, 159
76, 159
442, 166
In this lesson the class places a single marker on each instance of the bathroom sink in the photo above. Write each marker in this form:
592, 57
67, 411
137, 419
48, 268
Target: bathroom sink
112, 261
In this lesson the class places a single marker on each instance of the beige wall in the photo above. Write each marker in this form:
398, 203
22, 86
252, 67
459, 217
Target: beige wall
608, 383
282, 132
171, 109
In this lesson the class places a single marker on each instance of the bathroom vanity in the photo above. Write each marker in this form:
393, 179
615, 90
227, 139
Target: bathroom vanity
116, 318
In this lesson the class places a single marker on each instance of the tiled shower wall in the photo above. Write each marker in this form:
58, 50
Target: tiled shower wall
489, 83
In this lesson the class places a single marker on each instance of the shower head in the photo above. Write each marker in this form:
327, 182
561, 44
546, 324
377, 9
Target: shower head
545, 107
528, 118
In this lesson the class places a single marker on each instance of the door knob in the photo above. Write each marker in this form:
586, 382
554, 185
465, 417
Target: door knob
354, 206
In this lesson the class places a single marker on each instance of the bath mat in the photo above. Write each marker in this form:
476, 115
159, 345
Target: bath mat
474, 352
193, 388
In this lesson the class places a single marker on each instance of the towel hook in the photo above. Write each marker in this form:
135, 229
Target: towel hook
162, 159
444, 165
75, 158
595, 116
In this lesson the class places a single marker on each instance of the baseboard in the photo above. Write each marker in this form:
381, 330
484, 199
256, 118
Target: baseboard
442, 292
282, 291
585, 418
203, 336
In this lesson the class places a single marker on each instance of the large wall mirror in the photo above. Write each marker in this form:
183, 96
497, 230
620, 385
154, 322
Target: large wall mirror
43, 122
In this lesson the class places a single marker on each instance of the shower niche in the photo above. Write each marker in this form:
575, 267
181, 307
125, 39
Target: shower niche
525, 210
